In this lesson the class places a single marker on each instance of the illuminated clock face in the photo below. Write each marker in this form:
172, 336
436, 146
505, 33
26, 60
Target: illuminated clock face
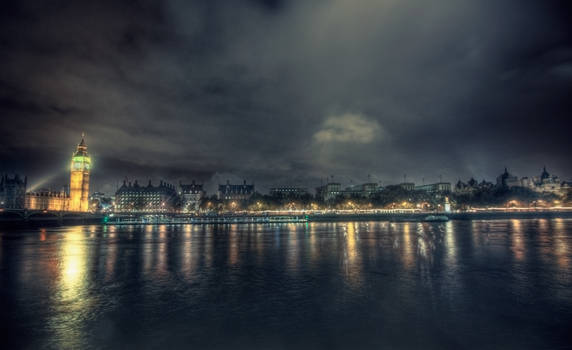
81, 163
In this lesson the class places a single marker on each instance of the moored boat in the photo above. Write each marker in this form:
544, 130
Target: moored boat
436, 218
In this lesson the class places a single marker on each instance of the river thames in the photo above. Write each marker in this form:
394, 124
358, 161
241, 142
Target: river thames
498, 284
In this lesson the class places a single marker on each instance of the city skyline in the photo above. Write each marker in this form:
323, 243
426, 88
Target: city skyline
196, 90
56, 180
82, 165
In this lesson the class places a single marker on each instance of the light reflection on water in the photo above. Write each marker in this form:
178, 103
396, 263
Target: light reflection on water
292, 249
562, 244
518, 247
408, 248
312, 242
451, 246
72, 302
188, 258
451, 284
351, 262
233, 245
73, 265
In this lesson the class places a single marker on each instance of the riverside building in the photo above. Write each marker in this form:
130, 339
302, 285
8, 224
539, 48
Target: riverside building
13, 192
191, 196
231, 192
365, 190
288, 192
329, 191
439, 187
77, 199
134, 198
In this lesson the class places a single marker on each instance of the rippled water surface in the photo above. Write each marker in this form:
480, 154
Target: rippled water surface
503, 284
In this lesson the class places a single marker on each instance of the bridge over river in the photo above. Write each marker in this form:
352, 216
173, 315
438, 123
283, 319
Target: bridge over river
20, 216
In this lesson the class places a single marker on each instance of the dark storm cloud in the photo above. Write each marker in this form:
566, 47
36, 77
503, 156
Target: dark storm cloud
286, 91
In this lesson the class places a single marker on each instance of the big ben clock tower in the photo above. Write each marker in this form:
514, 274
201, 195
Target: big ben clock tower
79, 181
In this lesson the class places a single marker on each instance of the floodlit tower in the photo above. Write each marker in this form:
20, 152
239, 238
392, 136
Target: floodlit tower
79, 179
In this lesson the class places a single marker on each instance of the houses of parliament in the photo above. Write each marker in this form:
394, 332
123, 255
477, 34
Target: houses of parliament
74, 200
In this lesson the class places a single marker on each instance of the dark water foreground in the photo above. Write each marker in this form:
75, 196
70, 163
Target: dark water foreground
503, 284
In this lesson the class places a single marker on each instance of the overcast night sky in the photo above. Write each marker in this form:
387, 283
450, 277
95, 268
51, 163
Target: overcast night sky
286, 92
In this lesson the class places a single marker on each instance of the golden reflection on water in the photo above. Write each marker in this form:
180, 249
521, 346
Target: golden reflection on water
161, 252
154, 251
546, 244
313, 243
423, 242
73, 265
187, 256
42, 234
451, 248
372, 226
233, 248
293, 248
517, 236
259, 236
408, 250
351, 258
72, 304
543, 225
561, 244
146, 250
208, 236
351, 243
479, 233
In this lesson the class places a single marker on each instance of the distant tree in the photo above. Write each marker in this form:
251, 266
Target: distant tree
498, 196
211, 203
